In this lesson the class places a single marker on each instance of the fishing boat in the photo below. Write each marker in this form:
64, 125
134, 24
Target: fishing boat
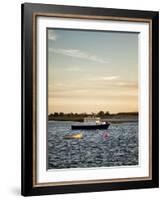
74, 136
90, 123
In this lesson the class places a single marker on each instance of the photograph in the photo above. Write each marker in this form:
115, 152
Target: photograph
93, 99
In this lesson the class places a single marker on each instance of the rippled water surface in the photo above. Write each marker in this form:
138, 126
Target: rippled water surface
117, 146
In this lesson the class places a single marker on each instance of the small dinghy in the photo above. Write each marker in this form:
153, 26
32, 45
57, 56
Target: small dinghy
74, 136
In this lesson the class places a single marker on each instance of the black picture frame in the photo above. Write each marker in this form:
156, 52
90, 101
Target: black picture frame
29, 11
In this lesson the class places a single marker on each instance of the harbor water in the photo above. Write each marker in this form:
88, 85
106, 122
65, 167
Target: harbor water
116, 146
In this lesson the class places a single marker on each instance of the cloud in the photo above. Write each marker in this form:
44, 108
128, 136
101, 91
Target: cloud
104, 78
127, 84
78, 54
52, 35
90, 87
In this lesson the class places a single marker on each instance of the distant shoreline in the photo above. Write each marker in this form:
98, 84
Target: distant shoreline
113, 118
116, 121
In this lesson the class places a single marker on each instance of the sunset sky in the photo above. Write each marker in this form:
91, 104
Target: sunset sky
89, 71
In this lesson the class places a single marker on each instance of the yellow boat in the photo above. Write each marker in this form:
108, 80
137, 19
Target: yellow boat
74, 136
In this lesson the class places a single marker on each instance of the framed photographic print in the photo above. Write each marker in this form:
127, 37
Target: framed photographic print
89, 99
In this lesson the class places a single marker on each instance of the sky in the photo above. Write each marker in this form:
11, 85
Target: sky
90, 71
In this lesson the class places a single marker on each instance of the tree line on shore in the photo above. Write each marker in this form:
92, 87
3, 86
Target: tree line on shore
80, 116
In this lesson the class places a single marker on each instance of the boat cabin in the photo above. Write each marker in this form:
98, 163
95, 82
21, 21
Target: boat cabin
92, 120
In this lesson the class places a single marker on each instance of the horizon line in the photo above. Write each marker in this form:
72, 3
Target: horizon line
93, 112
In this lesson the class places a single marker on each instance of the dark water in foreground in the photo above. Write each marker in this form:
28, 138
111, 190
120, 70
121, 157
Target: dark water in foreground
120, 148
